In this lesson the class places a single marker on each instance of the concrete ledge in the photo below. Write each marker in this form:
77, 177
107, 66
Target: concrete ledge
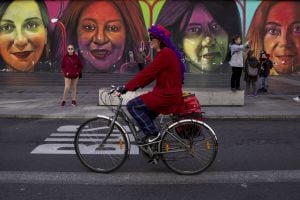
206, 96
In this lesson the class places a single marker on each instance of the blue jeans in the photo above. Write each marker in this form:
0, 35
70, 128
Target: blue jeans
263, 81
143, 116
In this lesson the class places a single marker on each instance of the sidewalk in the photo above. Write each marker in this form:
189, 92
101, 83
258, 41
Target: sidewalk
34, 99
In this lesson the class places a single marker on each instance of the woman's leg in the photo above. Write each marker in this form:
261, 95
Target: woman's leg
254, 86
260, 83
263, 82
74, 88
248, 86
266, 82
67, 88
233, 77
239, 71
143, 116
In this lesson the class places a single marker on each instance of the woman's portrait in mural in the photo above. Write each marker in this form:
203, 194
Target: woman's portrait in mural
104, 32
202, 29
23, 34
275, 28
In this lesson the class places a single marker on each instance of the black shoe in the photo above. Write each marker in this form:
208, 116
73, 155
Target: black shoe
260, 90
148, 139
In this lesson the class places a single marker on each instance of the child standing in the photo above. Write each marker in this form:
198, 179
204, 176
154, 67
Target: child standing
265, 65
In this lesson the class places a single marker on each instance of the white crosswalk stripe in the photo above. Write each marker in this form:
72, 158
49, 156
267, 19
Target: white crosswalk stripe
62, 142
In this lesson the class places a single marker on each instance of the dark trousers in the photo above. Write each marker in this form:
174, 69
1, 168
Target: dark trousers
236, 77
143, 116
141, 66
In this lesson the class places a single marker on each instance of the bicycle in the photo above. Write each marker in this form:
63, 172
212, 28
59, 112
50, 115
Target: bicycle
102, 144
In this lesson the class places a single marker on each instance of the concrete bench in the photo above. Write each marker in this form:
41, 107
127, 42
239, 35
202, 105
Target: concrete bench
206, 96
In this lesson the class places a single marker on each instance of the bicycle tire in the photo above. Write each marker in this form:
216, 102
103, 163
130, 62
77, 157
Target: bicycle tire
103, 159
197, 156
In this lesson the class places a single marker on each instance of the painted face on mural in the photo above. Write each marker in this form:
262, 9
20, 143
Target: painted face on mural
205, 41
282, 36
101, 35
22, 35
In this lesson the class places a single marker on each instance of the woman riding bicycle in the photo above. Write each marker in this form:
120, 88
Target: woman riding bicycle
167, 70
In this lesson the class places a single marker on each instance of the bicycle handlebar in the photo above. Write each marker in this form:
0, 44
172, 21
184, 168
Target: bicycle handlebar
112, 89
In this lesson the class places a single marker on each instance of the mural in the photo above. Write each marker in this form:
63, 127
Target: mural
24, 29
109, 35
105, 33
275, 28
202, 31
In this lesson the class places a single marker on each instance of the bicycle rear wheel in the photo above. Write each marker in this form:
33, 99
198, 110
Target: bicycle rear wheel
101, 158
189, 147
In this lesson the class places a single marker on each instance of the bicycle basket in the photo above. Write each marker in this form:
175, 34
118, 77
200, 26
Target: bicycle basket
189, 109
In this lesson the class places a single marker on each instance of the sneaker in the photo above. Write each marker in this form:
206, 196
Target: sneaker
153, 161
148, 139
233, 89
74, 103
62, 103
296, 99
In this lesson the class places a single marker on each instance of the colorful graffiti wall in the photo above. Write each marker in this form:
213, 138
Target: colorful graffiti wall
109, 36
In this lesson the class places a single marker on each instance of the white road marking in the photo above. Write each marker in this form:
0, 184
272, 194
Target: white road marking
131, 138
69, 149
63, 142
68, 128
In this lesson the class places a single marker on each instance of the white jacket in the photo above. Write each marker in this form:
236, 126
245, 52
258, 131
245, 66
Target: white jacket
237, 55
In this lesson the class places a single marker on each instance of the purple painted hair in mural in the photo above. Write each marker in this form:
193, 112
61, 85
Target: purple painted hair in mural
163, 35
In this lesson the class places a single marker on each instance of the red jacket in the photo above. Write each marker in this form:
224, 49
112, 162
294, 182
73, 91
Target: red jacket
165, 96
71, 66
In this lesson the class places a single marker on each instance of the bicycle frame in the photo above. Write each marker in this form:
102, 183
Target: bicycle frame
119, 112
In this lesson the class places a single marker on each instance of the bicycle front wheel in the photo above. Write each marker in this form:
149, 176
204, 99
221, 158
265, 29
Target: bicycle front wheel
95, 154
189, 147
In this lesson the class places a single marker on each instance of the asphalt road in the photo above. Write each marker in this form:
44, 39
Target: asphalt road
257, 159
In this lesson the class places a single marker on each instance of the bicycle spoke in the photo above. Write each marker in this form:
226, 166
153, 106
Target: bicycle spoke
188, 147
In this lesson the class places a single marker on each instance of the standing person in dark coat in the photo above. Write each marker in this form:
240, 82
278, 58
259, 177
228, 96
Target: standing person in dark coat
265, 65
71, 67
167, 70
251, 73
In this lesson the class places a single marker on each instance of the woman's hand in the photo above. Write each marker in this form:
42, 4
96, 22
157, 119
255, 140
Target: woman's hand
116, 93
